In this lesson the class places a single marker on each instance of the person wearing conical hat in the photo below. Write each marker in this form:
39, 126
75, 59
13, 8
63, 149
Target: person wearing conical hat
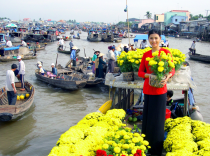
100, 66
95, 56
73, 55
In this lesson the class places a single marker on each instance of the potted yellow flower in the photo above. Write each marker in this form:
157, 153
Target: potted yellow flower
161, 65
125, 65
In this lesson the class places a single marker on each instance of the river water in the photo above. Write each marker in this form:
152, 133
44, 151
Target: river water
55, 110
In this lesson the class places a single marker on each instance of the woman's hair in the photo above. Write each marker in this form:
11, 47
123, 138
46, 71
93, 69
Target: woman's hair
154, 31
170, 93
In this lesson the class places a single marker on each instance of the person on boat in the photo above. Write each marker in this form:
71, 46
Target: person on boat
71, 45
132, 48
95, 56
9, 43
166, 43
38, 45
73, 55
41, 70
23, 43
170, 93
100, 65
154, 98
193, 48
162, 44
21, 72
117, 52
54, 70
61, 43
10, 85
111, 62
143, 44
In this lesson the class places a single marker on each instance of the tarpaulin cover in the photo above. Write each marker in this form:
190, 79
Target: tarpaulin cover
11, 48
145, 36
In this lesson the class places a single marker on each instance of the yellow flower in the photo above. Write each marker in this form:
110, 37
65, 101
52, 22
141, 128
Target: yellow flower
117, 150
132, 60
148, 59
160, 69
135, 140
161, 63
105, 146
137, 62
171, 64
155, 53
164, 56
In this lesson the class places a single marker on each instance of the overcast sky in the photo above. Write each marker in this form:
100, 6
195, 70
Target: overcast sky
95, 10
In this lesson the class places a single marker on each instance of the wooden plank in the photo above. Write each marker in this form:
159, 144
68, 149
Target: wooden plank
124, 99
185, 102
128, 101
119, 98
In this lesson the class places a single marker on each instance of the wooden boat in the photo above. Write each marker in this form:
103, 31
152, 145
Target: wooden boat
70, 82
90, 79
12, 112
41, 48
117, 40
78, 37
14, 58
107, 38
199, 57
94, 37
66, 52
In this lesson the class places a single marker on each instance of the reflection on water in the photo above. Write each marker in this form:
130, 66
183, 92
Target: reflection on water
55, 110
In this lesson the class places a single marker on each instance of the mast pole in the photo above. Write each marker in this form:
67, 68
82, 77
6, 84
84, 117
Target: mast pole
128, 22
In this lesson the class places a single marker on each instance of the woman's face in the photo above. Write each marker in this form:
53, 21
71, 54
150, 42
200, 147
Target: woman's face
154, 40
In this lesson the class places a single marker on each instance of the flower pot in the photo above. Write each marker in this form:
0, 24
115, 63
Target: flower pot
127, 76
136, 77
154, 82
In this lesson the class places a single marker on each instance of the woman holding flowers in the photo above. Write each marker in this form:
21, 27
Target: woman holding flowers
155, 98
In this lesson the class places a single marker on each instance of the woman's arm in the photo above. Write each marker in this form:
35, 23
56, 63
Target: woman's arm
101, 61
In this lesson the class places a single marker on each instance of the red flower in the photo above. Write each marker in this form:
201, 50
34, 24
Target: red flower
101, 153
138, 153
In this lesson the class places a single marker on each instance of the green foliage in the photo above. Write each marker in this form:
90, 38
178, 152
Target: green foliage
148, 15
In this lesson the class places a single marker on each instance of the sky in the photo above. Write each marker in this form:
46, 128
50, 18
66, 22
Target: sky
109, 11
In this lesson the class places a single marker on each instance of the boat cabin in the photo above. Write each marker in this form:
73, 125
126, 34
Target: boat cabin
3, 38
37, 31
22, 29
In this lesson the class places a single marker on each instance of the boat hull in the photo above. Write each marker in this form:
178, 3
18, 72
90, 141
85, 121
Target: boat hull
65, 84
13, 112
198, 57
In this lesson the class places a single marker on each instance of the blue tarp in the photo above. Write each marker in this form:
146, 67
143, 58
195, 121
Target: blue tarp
145, 36
11, 48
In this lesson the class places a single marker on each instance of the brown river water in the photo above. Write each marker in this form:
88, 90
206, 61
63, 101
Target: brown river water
55, 110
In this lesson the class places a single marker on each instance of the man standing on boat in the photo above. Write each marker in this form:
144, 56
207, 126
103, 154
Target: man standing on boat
10, 85
23, 43
9, 43
73, 55
193, 48
21, 72
111, 58
61, 43
71, 45
143, 44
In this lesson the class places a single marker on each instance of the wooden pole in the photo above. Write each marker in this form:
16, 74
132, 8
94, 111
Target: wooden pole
56, 61
128, 22
185, 102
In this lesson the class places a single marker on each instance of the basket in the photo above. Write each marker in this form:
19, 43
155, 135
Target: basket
128, 76
168, 114
116, 69
136, 77
154, 82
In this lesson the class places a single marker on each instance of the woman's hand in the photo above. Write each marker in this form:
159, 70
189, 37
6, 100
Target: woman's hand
163, 82
147, 75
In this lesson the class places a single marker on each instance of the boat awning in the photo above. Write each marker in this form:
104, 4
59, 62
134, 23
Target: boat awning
145, 37
11, 48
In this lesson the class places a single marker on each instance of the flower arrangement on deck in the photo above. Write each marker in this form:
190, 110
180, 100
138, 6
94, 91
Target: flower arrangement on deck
187, 137
99, 134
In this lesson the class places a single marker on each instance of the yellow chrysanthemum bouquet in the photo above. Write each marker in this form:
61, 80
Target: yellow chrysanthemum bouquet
178, 57
130, 61
161, 65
